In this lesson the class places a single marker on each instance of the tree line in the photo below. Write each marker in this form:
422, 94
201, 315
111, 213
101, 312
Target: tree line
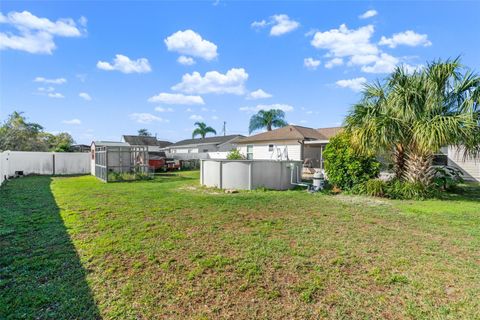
17, 134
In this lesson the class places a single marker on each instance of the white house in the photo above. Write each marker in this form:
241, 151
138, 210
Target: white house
307, 144
197, 148
469, 166
289, 143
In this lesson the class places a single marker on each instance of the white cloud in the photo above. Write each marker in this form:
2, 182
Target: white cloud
384, 63
407, 38
82, 77
51, 81
189, 110
258, 94
215, 118
161, 109
311, 63
410, 69
259, 24
75, 122
124, 64
283, 107
281, 24
363, 59
186, 61
145, 118
232, 82
333, 63
35, 34
46, 89
56, 95
85, 96
190, 43
343, 42
355, 45
82, 21
368, 14
204, 109
355, 84
176, 98
196, 117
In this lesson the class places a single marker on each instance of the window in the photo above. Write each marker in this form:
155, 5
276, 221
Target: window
270, 147
205, 150
250, 152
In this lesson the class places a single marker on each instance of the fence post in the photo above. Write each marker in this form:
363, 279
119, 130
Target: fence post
53, 164
250, 175
221, 175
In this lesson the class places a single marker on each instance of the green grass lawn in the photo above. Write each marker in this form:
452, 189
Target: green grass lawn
77, 248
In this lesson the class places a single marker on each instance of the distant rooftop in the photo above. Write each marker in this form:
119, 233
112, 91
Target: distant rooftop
293, 132
209, 140
100, 143
145, 141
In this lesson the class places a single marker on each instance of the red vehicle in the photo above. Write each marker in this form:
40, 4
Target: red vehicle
159, 161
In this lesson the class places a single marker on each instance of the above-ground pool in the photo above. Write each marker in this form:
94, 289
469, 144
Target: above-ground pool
249, 174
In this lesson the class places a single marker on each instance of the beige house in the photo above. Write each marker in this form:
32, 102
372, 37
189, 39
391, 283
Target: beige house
307, 145
469, 166
289, 143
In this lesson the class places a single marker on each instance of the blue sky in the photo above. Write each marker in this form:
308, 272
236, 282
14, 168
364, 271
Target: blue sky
102, 69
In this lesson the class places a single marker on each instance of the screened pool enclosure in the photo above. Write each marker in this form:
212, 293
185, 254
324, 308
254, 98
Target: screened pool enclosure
121, 163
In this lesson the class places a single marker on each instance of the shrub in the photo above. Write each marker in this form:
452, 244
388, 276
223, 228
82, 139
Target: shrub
346, 168
235, 155
446, 177
395, 189
372, 187
405, 190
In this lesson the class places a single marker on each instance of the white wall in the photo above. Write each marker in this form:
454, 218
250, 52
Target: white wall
72, 163
226, 147
248, 175
184, 150
201, 155
261, 150
3, 168
469, 166
43, 163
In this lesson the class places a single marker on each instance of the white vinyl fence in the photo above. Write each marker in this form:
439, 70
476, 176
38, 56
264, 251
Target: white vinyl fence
43, 163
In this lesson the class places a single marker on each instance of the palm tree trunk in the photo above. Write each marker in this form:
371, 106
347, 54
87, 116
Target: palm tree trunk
269, 127
418, 168
399, 161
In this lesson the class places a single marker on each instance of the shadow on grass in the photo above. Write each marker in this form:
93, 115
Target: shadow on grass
40, 271
172, 177
465, 192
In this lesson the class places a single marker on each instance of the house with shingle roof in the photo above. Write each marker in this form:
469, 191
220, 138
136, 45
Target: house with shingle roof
203, 145
291, 142
146, 141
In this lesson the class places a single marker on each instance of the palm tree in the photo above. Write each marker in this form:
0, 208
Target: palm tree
413, 115
202, 130
267, 119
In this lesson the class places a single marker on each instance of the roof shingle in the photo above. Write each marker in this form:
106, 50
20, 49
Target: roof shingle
209, 140
145, 141
293, 132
